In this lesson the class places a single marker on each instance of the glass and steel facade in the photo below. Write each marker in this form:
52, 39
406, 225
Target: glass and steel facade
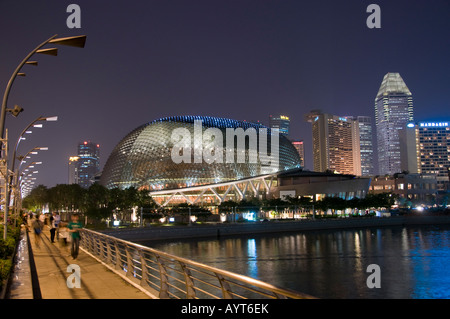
88, 163
300, 147
280, 122
393, 110
366, 148
144, 157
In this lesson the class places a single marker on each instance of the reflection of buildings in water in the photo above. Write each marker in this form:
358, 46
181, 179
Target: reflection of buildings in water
333, 264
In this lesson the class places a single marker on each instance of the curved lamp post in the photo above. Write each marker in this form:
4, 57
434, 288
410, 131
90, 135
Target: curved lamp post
16, 187
39, 119
76, 41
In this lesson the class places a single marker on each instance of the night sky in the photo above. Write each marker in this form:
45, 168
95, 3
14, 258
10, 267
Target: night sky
237, 59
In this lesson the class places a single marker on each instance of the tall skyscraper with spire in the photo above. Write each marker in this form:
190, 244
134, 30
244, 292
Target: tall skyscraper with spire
393, 111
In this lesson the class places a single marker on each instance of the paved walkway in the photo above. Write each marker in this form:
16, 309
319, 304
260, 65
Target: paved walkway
97, 281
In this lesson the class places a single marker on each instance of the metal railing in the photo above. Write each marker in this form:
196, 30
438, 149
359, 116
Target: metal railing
166, 276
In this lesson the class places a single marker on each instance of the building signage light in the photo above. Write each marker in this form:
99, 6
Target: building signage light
435, 124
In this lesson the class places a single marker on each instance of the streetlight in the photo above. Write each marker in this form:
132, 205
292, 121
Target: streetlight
39, 119
33, 151
19, 178
9, 184
31, 165
16, 187
26, 184
76, 41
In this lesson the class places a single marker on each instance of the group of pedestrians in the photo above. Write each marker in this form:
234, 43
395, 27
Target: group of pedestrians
59, 230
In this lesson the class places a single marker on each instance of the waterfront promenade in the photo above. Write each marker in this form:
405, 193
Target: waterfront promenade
47, 273
47, 276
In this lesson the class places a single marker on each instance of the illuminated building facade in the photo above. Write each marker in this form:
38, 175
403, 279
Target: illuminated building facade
429, 142
280, 122
300, 147
73, 169
145, 159
366, 144
88, 163
393, 110
409, 187
336, 143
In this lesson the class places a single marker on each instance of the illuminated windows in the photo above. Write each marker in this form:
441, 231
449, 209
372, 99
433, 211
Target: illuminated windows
143, 158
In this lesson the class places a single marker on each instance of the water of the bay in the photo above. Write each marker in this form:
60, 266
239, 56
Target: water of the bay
414, 261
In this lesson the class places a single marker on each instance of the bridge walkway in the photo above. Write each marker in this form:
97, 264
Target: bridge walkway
49, 275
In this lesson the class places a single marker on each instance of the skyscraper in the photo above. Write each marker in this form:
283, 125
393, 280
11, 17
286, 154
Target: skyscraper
300, 147
88, 163
73, 169
366, 144
432, 146
280, 122
393, 110
336, 143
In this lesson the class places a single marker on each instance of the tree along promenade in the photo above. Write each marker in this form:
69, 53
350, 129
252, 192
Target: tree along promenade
140, 234
41, 272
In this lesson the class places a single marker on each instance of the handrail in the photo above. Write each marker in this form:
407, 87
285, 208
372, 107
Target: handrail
166, 276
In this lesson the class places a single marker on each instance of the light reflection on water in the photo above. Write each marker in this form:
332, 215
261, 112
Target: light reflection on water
414, 261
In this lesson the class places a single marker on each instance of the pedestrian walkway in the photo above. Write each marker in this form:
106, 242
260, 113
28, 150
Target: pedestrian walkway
97, 281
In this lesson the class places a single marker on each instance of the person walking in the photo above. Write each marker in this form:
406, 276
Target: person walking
74, 228
54, 220
64, 237
37, 226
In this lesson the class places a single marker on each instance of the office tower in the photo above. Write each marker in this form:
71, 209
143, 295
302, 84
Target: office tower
393, 110
73, 169
280, 122
366, 144
432, 149
335, 143
88, 163
300, 147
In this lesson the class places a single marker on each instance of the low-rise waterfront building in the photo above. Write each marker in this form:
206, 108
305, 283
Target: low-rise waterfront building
420, 188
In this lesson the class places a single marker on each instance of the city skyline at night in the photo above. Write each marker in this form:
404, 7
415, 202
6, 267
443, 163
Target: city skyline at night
240, 60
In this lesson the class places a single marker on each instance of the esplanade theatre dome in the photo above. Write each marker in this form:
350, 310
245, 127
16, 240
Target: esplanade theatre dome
164, 154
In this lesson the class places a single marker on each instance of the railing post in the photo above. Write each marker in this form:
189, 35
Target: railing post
164, 287
190, 290
144, 275
130, 266
86, 241
104, 244
226, 290
94, 245
117, 265
109, 255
